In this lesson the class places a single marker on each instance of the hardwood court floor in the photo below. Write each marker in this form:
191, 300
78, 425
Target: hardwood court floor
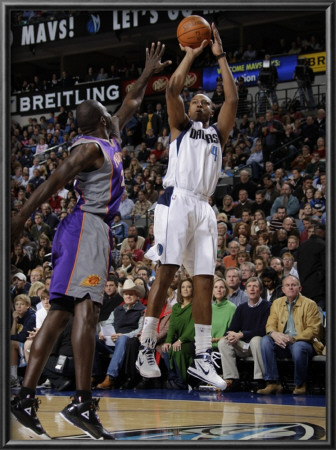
180, 416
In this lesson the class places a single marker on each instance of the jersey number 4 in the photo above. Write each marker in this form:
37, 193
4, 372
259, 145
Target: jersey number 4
214, 152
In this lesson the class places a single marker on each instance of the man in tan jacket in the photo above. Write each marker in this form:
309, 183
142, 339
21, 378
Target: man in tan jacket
292, 325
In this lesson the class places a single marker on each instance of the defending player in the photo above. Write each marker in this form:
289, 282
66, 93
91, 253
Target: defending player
81, 251
185, 225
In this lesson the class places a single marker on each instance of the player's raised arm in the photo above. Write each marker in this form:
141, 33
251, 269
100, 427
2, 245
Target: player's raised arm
175, 106
228, 111
135, 96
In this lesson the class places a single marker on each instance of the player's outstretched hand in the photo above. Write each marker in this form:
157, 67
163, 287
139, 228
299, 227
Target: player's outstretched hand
216, 43
153, 58
194, 51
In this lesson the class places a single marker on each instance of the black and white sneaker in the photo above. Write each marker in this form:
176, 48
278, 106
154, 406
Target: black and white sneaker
203, 369
145, 362
84, 416
24, 410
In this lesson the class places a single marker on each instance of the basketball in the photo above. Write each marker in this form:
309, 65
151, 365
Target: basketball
192, 31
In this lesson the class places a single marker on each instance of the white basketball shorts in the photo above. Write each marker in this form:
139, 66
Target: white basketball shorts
185, 231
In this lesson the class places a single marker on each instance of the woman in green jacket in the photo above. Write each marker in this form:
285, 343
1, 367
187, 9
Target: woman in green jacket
178, 350
222, 311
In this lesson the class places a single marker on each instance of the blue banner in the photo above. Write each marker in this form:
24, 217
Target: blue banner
249, 70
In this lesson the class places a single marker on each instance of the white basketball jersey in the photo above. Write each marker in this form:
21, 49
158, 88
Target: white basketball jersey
195, 160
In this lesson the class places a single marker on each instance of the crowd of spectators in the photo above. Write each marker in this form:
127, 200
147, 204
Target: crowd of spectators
271, 222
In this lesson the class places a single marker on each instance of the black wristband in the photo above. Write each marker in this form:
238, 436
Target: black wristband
221, 55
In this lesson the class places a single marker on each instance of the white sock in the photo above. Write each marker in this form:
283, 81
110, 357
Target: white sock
202, 338
13, 371
149, 329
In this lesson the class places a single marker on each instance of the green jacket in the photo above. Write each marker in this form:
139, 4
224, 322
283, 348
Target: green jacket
181, 325
222, 314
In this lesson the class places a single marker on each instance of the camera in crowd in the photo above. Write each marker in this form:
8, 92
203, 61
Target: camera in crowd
266, 76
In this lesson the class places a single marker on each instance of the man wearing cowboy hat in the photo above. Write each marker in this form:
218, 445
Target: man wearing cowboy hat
126, 320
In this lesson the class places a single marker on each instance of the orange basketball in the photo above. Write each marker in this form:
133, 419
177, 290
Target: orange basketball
192, 31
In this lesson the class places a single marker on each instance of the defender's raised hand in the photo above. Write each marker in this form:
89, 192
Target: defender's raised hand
153, 58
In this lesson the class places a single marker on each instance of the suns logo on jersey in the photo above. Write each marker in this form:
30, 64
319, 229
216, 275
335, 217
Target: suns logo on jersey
91, 280
117, 159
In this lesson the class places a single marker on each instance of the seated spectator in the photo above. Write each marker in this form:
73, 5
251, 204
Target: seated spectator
245, 183
45, 242
247, 269
19, 284
286, 199
135, 167
23, 321
221, 247
34, 294
263, 251
261, 203
256, 160
228, 206
140, 281
40, 227
102, 75
288, 265
41, 314
222, 311
127, 263
277, 218
132, 231
41, 146
153, 165
164, 137
158, 150
291, 327
231, 259
136, 253
119, 228
123, 323
50, 218
242, 204
244, 335
151, 194
315, 165
141, 206
293, 243
244, 246
20, 259
233, 279
272, 284
36, 179
143, 153
36, 274
178, 349
249, 54
126, 206
260, 264
270, 188
111, 298
305, 211
151, 140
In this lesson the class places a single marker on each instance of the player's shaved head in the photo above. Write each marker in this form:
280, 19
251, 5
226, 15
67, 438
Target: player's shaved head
88, 115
